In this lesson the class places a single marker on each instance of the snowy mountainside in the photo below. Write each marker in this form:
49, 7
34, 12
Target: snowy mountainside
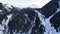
45, 20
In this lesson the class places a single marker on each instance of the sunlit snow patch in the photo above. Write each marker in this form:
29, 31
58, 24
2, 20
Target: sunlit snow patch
26, 3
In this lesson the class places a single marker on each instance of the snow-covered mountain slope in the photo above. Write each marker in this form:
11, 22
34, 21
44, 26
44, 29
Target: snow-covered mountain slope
45, 20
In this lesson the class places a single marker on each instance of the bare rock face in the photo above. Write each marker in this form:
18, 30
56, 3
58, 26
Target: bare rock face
1, 7
50, 8
38, 28
55, 20
24, 21
2, 13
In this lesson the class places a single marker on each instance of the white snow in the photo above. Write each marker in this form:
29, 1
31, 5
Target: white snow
26, 3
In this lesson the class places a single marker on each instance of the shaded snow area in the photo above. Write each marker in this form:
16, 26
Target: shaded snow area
28, 20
